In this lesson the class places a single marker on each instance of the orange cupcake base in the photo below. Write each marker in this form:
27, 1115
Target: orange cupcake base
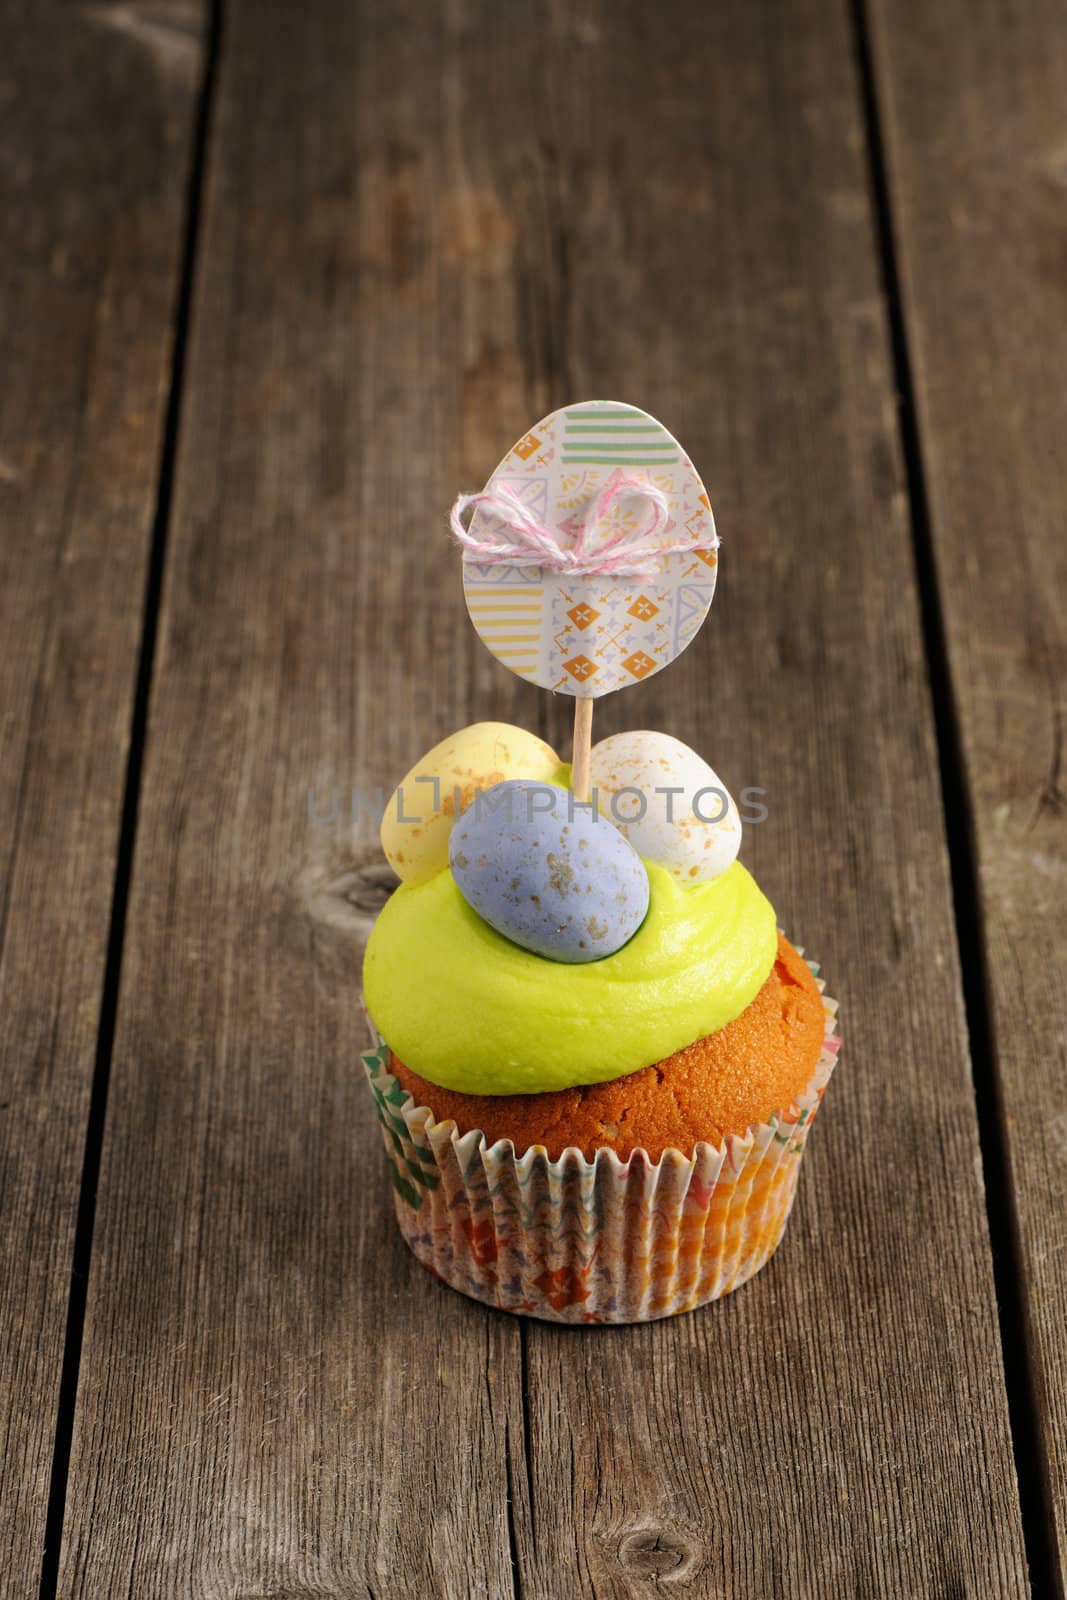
606, 1240
724, 1083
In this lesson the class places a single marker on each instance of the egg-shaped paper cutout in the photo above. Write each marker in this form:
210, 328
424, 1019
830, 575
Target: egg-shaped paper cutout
418, 819
667, 802
588, 634
550, 876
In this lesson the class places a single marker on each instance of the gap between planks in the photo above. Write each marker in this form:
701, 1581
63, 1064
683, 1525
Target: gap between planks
94, 1134
1031, 1476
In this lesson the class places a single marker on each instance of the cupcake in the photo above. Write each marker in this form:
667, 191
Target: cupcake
608, 1139
595, 1056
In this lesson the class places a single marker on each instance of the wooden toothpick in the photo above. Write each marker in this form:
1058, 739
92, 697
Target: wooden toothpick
583, 733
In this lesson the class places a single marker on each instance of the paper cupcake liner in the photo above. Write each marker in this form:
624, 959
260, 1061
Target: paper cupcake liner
597, 1241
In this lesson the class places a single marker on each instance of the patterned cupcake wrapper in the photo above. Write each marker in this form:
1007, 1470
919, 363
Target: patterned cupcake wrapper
592, 1241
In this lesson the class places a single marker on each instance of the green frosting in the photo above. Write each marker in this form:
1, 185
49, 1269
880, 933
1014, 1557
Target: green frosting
465, 1008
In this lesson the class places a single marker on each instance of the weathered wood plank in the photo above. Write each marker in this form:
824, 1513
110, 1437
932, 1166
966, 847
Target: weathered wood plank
851, 1434
973, 103
276, 1398
421, 229
94, 144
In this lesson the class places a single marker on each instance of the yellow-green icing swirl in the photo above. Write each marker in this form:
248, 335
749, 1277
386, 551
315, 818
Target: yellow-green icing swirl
465, 1008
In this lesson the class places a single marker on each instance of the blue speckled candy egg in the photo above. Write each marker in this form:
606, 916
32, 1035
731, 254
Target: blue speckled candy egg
558, 880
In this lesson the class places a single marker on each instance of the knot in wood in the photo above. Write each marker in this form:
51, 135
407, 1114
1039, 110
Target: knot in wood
659, 1552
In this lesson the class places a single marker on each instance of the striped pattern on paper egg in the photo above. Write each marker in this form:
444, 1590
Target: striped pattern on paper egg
589, 635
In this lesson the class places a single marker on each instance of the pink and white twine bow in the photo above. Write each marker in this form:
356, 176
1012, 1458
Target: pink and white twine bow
524, 541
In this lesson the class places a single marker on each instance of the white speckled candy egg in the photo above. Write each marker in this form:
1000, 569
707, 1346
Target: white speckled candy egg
548, 874
418, 819
667, 802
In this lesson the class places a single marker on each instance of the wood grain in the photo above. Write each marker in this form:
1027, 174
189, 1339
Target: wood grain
422, 229
91, 204
813, 1464
973, 105
276, 1399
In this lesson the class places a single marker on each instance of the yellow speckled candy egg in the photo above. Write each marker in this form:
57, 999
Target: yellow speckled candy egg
418, 819
668, 802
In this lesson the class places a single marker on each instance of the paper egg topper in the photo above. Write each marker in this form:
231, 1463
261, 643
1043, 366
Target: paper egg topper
589, 559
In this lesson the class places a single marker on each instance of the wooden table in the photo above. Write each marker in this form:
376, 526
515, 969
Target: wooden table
275, 283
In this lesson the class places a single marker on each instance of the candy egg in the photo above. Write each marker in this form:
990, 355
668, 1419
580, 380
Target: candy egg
419, 817
550, 876
667, 802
